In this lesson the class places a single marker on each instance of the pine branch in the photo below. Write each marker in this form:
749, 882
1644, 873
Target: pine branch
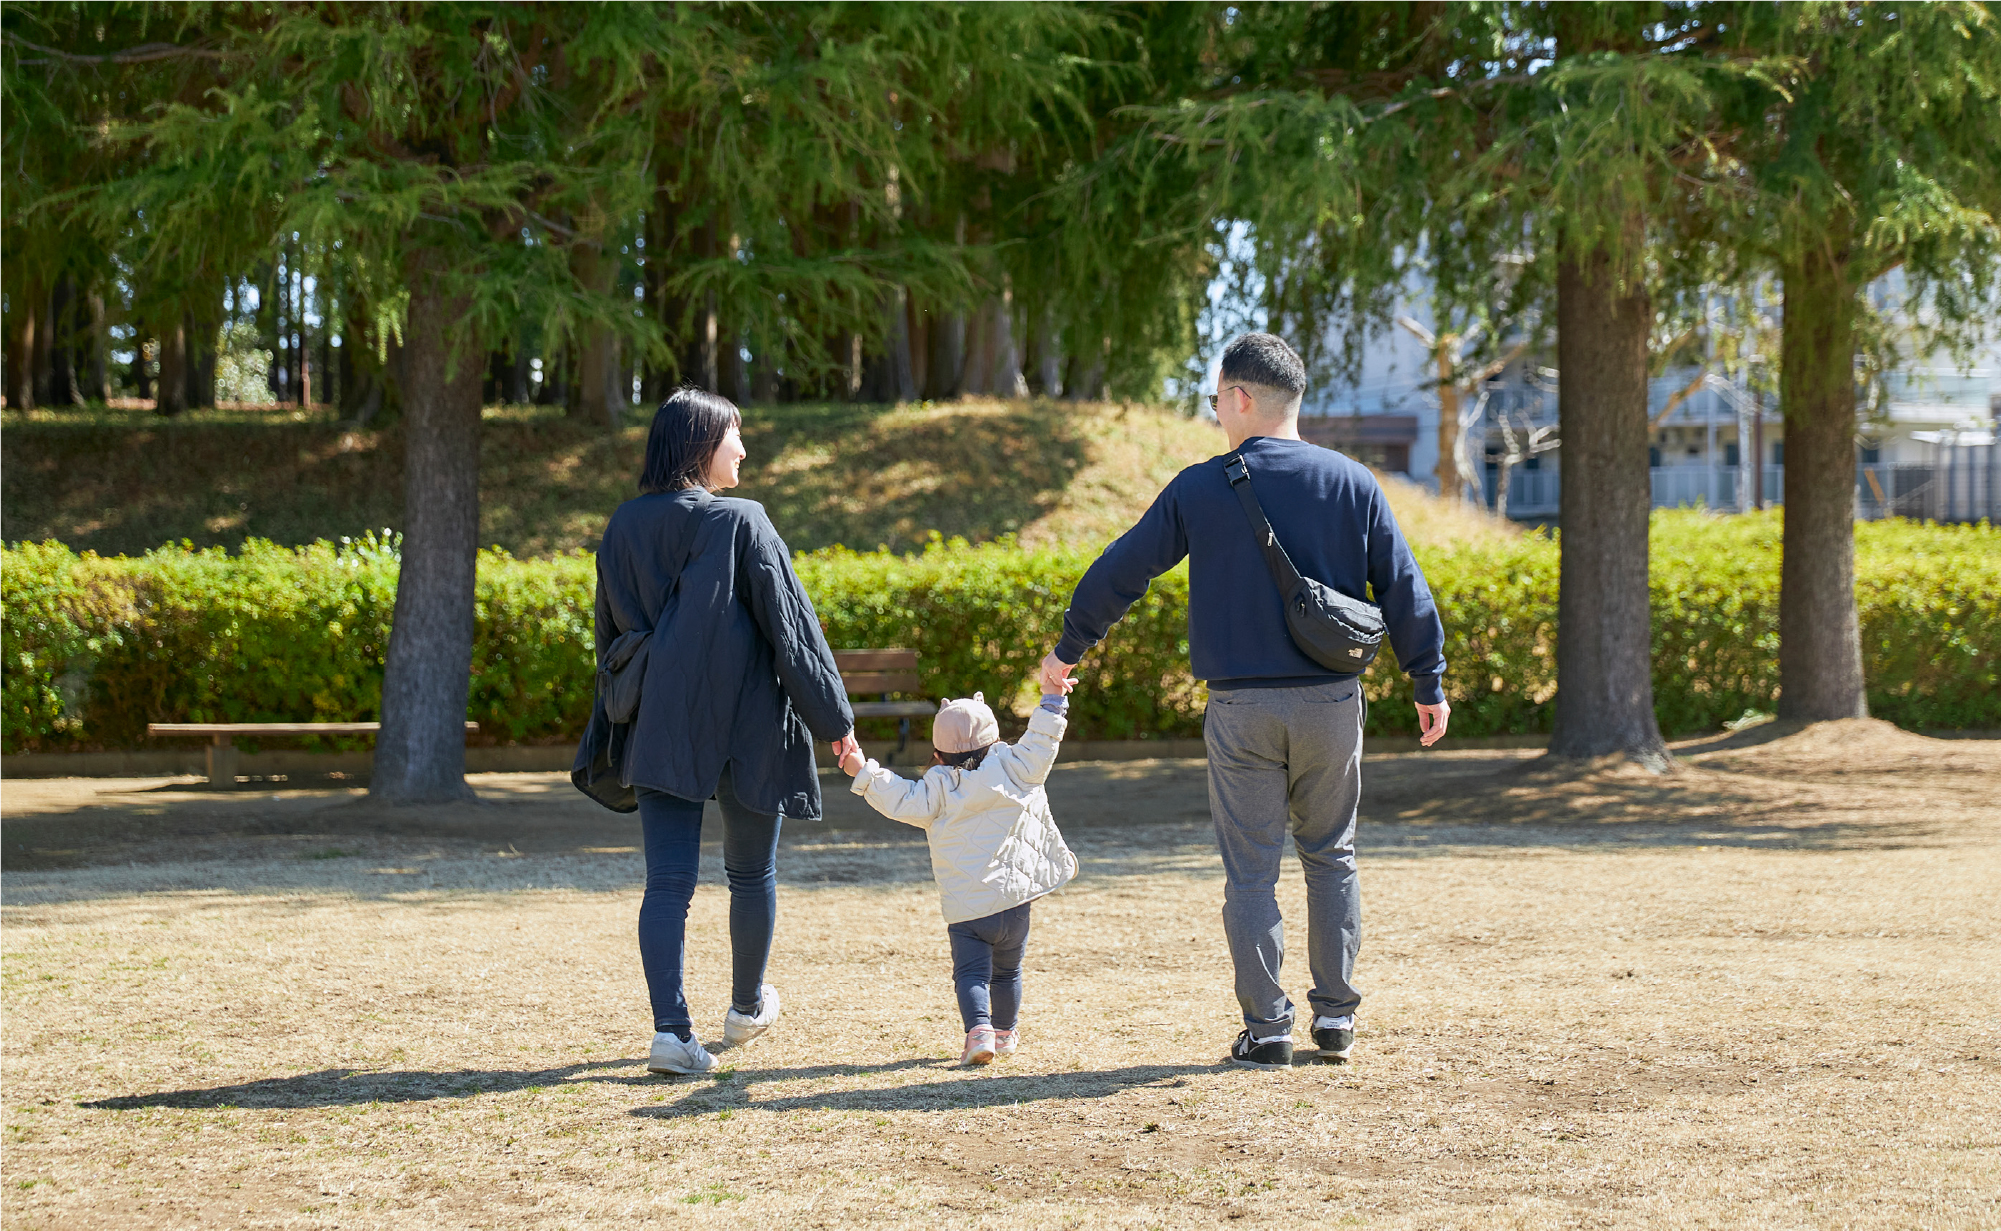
145, 53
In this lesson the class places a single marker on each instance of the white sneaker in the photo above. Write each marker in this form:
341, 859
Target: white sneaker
740, 1028
979, 1046
671, 1055
1005, 1042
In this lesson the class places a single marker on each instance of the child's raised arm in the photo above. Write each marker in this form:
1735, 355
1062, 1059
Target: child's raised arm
1036, 752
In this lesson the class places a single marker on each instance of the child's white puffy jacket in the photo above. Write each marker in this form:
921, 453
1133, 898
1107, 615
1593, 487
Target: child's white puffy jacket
994, 844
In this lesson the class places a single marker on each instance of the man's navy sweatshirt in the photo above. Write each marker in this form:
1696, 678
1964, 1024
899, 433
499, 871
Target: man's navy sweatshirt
1331, 518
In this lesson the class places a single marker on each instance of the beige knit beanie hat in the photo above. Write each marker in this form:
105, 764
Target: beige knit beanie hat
964, 725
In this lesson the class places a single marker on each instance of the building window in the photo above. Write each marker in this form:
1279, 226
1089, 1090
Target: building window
1654, 456
1871, 455
1730, 453
1778, 453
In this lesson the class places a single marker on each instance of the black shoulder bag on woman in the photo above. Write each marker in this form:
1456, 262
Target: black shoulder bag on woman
621, 673
1336, 631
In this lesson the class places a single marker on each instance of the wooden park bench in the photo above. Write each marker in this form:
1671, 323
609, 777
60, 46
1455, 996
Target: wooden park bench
222, 751
884, 672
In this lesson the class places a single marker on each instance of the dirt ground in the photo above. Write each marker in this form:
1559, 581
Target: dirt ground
1764, 991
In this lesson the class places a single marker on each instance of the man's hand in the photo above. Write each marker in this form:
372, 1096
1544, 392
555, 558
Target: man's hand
1431, 720
1055, 674
844, 746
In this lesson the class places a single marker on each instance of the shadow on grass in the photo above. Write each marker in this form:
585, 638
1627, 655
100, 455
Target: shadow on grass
728, 1088
349, 1087
990, 1087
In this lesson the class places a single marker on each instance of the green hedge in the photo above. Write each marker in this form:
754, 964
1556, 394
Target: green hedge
96, 648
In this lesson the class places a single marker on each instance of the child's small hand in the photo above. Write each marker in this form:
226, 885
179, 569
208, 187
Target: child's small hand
851, 764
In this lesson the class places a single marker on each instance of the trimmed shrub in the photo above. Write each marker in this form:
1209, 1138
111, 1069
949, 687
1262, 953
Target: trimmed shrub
96, 648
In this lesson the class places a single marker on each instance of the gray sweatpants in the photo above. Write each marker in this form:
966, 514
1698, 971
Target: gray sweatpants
1279, 758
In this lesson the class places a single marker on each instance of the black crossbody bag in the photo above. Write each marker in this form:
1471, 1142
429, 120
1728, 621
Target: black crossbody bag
1338, 632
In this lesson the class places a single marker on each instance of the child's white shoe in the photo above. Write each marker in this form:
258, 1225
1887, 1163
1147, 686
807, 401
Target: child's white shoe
979, 1046
1005, 1041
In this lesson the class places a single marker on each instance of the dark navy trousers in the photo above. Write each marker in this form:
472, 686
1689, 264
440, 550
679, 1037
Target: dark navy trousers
672, 830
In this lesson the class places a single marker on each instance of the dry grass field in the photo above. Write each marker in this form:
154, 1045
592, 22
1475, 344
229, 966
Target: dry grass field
1762, 992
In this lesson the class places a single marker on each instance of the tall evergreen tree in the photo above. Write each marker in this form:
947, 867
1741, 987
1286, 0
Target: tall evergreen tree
1379, 142
1877, 151
435, 148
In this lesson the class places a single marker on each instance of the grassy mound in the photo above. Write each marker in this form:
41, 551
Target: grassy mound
122, 482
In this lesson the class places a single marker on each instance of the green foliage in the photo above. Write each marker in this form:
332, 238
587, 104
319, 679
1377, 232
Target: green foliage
96, 648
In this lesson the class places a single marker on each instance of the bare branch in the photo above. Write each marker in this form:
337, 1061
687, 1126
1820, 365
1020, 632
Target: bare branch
1681, 395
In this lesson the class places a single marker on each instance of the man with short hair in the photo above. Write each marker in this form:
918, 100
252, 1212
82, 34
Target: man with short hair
1284, 734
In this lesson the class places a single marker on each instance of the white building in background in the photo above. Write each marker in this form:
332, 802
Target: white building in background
1931, 453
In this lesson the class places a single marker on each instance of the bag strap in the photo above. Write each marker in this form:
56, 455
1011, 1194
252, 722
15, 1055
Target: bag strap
1283, 572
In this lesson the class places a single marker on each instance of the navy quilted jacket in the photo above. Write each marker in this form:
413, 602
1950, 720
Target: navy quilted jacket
739, 672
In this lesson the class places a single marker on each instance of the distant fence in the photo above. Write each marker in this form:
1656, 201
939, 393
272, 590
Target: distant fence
1961, 484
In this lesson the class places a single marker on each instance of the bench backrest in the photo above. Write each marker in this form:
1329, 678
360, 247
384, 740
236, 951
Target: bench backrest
879, 670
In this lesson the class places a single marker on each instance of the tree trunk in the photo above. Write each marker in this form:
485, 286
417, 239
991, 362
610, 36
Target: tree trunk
976, 373
21, 350
902, 382
420, 754
1820, 638
96, 386
656, 380
1048, 353
39, 347
918, 323
172, 387
947, 366
1087, 382
1448, 420
735, 370
597, 362
62, 345
1605, 692
200, 343
1008, 381
706, 368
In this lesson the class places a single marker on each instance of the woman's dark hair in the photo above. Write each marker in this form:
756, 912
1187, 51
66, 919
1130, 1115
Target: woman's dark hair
687, 428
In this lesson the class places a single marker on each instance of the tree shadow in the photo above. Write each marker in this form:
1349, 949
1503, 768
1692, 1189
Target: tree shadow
889, 480
1518, 800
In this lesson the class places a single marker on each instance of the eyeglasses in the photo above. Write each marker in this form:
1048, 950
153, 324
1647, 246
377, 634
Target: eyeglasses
1220, 392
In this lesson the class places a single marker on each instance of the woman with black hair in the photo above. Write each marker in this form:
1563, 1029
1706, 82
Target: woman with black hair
735, 683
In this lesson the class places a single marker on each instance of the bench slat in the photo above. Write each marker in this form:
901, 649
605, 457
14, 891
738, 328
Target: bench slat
875, 660
893, 709
269, 728
882, 681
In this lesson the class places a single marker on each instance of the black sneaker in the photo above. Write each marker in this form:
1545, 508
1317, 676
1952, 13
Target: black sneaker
1334, 1043
1271, 1054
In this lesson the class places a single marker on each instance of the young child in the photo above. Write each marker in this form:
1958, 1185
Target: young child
994, 849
